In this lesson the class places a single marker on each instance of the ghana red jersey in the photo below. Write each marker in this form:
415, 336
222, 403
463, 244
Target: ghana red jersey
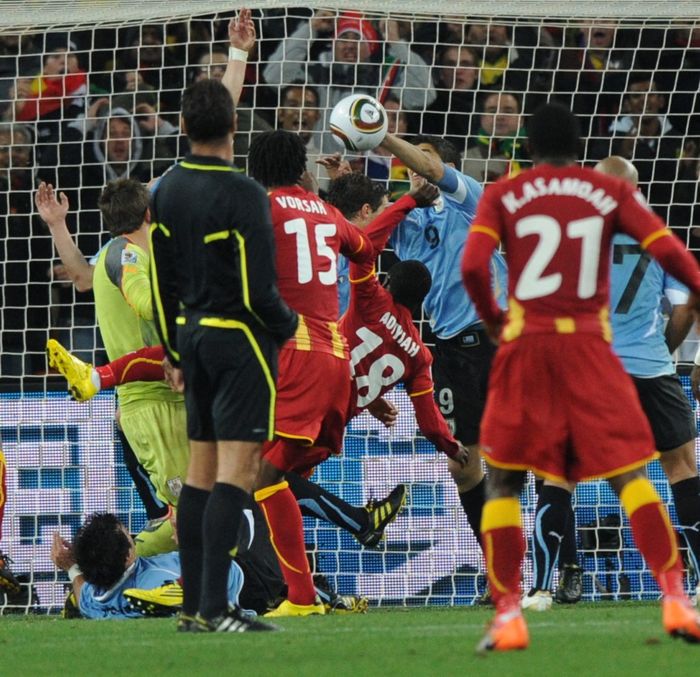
309, 235
556, 225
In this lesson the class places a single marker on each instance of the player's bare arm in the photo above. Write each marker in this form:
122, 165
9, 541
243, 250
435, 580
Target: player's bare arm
241, 35
417, 159
53, 210
680, 321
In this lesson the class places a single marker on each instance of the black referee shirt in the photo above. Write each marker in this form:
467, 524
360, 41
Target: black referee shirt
213, 250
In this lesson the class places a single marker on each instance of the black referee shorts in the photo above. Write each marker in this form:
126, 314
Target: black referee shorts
461, 369
668, 410
230, 374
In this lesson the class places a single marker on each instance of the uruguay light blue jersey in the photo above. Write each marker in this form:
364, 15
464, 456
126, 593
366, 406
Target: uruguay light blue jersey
638, 285
343, 271
146, 573
435, 236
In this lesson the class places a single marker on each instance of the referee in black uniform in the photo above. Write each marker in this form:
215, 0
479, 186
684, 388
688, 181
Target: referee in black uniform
221, 320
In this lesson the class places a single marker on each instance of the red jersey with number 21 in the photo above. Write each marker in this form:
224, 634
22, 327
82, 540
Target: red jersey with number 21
309, 235
556, 224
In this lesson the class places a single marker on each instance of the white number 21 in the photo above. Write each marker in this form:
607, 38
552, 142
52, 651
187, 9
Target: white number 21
533, 284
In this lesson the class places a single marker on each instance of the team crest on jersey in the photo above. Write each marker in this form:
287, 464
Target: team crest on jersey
175, 486
129, 257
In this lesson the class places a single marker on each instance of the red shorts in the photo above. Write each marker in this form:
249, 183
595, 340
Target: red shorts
562, 406
313, 390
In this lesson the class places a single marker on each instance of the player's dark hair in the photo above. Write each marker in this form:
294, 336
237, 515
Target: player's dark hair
100, 549
445, 149
553, 132
208, 111
123, 204
409, 283
277, 158
349, 192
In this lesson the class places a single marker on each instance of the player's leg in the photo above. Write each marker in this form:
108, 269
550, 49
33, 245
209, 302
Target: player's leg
504, 548
656, 540
237, 467
366, 524
552, 515
286, 528
673, 425
461, 371
682, 472
85, 381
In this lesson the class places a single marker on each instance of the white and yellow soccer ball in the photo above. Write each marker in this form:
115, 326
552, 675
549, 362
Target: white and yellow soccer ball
358, 122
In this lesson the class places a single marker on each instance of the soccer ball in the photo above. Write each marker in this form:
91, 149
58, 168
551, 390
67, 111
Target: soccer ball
358, 122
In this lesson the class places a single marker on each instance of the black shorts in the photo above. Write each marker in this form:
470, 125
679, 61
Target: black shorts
230, 376
461, 375
668, 410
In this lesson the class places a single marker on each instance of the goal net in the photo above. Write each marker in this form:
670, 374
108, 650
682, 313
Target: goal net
90, 91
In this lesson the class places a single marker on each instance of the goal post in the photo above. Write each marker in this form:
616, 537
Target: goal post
90, 90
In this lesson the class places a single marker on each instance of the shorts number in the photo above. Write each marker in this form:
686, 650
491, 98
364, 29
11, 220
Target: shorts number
533, 283
384, 372
446, 401
322, 231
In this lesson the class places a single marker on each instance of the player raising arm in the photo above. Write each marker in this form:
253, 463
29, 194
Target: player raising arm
555, 383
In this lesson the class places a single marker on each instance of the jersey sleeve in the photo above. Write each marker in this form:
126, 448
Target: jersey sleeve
460, 188
484, 235
354, 244
676, 292
432, 424
135, 282
379, 231
164, 287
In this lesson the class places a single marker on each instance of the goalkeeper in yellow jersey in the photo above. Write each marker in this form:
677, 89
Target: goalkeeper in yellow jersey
152, 415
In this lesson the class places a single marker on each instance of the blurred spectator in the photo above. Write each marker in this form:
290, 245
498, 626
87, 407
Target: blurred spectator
456, 78
503, 65
591, 76
500, 144
56, 94
353, 64
644, 135
25, 252
685, 207
680, 75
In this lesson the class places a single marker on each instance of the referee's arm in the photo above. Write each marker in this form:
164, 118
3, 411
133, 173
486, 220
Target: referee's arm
166, 302
258, 273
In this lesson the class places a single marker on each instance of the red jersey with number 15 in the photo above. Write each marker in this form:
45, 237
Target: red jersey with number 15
309, 235
556, 224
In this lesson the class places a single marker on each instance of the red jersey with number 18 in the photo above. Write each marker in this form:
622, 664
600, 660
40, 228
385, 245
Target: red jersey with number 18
309, 235
556, 224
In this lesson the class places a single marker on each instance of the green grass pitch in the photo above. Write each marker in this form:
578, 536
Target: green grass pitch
589, 639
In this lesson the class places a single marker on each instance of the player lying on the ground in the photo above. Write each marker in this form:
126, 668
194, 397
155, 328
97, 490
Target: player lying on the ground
638, 284
109, 580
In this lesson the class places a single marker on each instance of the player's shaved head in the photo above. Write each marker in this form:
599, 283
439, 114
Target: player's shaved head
616, 165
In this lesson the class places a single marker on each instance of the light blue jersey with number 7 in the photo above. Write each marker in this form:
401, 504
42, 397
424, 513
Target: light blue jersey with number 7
638, 284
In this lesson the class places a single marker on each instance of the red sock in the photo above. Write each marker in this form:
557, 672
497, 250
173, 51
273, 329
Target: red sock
145, 364
287, 536
653, 534
504, 548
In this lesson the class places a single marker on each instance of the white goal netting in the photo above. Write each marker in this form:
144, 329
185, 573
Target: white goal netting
90, 91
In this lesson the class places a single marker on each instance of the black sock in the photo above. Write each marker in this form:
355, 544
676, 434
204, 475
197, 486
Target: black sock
222, 520
568, 552
553, 505
472, 502
190, 515
315, 501
155, 508
686, 497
